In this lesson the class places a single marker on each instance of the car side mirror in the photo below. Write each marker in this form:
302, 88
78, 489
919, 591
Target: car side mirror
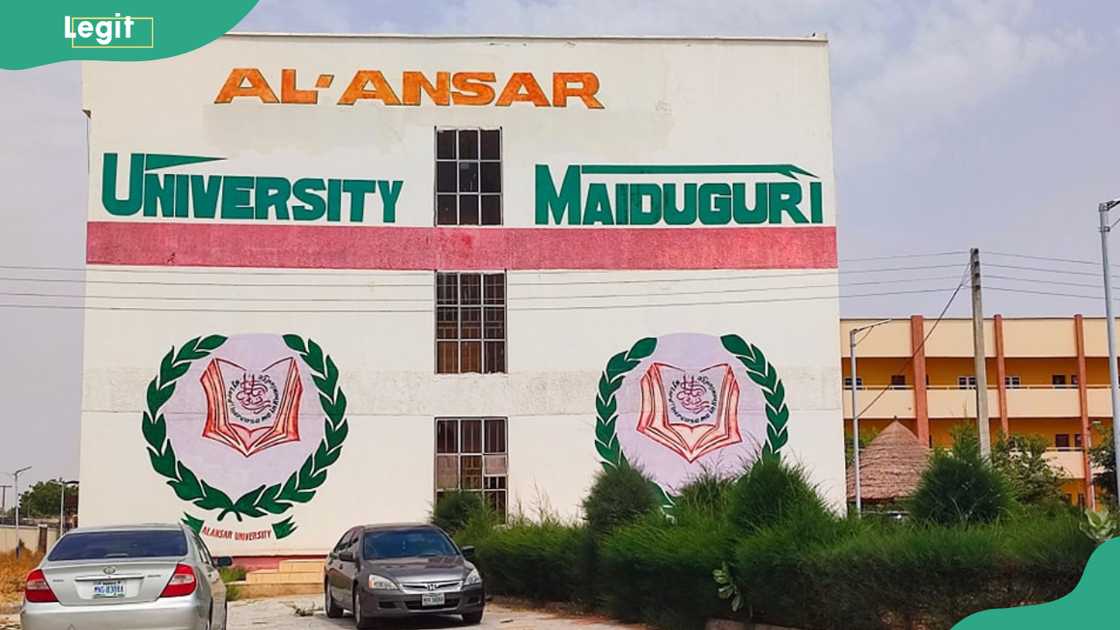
346, 556
468, 552
222, 562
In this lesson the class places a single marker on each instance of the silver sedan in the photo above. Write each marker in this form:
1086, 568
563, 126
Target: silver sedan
126, 578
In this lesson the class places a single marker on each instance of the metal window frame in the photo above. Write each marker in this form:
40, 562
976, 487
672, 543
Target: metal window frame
458, 420
459, 319
459, 193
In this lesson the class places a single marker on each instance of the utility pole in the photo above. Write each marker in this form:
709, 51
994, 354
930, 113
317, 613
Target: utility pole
15, 476
1110, 324
855, 408
980, 358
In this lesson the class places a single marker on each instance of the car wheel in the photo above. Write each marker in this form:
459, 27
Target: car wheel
360, 620
333, 610
473, 619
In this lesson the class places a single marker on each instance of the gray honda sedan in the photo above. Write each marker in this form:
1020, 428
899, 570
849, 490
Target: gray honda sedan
124, 578
378, 571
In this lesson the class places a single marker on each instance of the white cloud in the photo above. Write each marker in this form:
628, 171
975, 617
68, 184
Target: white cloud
959, 56
900, 70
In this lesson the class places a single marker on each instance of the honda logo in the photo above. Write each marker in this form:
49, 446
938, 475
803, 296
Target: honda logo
431, 587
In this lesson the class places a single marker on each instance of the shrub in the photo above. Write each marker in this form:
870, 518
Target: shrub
454, 509
660, 572
620, 495
960, 487
706, 496
536, 561
769, 492
931, 576
232, 574
1022, 460
479, 526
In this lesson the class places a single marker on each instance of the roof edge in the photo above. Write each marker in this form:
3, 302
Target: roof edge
821, 38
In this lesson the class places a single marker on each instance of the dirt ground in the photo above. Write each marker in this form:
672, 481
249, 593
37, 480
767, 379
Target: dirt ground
13, 572
279, 613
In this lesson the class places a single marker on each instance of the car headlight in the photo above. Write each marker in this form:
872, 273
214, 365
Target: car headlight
379, 583
472, 578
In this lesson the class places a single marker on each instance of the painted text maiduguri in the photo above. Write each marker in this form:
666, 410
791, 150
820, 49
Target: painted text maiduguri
240, 197
745, 194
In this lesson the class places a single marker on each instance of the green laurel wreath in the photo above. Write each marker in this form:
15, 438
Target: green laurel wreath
273, 499
758, 368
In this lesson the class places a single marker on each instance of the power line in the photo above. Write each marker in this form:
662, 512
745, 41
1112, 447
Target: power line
899, 256
909, 362
227, 298
745, 276
1072, 261
1043, 270
200, 270
1043, 281
77, 307
1032, 292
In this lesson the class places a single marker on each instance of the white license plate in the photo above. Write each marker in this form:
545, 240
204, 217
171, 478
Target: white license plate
431, 599
108, 588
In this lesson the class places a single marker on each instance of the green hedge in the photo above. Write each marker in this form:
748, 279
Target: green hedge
883, 576
534, 561
660, 571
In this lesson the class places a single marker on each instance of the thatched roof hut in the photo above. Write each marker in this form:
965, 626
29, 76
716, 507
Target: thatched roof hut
890, 466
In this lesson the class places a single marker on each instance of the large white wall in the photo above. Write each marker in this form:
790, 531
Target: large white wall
666, 101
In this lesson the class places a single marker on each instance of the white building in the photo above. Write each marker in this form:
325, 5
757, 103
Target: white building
330, 277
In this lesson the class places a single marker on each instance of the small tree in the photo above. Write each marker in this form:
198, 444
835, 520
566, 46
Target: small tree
620, 495
41, 500
455, 509
771, 491
1022, 459
1103, 456
960, 486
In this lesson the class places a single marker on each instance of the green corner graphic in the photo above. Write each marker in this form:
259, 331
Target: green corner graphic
121, 30
1085, 607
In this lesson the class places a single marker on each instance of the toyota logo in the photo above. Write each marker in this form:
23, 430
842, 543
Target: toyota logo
109, 570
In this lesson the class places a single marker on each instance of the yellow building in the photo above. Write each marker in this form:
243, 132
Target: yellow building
1046, 376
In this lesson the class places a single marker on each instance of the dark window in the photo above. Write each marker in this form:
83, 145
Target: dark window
848, 382
1073, 380
966, 382
1077, 440
468, 177
1010, 382
106, 545
406, 543
1058, 380
470, 323
471, 455
1061, 440
898, 381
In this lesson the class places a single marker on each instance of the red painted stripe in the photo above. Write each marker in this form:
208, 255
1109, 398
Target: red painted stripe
415, 248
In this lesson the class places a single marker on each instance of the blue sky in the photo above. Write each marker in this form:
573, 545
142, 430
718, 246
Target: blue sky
957, 124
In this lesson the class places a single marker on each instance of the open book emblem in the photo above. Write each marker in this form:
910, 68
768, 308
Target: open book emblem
251, 411
690, 412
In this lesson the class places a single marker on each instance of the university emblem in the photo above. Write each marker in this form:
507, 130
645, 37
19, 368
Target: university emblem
245, 426
684, 404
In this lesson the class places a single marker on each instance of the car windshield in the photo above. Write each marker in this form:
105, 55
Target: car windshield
151, 543
406, 543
